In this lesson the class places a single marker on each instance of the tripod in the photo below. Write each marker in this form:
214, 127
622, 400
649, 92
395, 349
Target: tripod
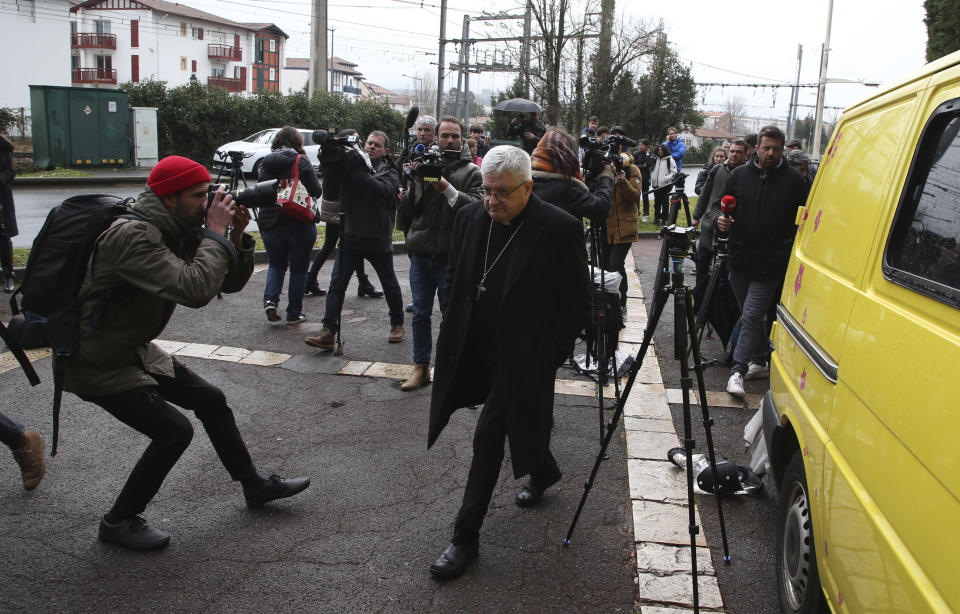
678, 245
600, 347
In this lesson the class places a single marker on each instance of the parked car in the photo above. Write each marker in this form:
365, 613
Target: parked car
862, 421
258, 144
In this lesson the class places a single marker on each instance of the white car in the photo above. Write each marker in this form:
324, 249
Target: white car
258, 146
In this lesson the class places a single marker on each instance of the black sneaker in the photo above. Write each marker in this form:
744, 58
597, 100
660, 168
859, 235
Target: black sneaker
271, 309
133, 533
315, 290
274, 488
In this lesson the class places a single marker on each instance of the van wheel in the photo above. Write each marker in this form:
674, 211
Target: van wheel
798, 581
256, 169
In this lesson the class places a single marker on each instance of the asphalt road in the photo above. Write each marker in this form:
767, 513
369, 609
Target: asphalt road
748, 583
360, 539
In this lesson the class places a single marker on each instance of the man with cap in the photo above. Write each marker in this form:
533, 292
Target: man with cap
173, 249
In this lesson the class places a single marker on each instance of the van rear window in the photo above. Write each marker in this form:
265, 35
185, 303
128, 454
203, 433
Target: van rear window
923, 251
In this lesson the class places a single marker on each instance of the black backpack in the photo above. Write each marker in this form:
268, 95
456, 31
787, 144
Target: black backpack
51, 284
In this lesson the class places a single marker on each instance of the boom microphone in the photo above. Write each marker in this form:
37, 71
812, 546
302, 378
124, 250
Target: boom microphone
412, 115
728, 205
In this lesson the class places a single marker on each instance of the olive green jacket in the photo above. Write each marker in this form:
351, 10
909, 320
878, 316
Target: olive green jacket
138, 273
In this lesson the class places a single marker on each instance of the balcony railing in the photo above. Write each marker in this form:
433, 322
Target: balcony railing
349, 89
94, 75
92, 40
228, 83
225, 52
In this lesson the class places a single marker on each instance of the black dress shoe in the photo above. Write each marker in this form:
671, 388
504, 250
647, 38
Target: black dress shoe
532, 492
133, 533
314, 290
274, 488
455, 560
369, 290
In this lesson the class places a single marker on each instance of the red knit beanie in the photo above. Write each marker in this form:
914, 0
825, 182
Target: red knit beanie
174, 174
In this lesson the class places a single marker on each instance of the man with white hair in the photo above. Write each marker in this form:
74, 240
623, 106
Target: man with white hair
519, 293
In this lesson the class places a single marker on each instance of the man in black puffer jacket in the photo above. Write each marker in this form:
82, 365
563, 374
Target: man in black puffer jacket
768, 192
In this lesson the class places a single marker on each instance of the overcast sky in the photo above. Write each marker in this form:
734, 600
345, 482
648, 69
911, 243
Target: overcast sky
745, 41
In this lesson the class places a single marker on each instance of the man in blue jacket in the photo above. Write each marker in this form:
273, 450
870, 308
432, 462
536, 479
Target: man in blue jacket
676, 147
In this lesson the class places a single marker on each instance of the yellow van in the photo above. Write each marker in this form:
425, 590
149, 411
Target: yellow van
862, 421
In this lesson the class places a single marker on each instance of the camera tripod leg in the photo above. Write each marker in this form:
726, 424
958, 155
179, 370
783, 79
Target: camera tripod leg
660, 300
705, 411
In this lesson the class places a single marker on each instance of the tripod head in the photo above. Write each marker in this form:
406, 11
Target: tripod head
236, 167
679, 239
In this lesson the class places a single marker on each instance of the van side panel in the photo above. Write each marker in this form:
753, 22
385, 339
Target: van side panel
841, 218
892, 468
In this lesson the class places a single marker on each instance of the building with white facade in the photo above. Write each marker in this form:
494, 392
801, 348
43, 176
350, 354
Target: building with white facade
35, 47
342, 77
114, 41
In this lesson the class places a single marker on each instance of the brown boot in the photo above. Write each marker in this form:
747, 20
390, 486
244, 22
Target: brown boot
29, 455
419, 377
396, 334
326, 340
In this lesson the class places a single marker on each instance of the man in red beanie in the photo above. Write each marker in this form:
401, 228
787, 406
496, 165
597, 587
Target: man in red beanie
177, 251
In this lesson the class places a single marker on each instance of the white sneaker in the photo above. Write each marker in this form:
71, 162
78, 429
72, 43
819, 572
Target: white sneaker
757, 370
735, 385
646, 219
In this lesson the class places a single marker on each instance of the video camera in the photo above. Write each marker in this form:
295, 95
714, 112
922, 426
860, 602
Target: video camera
430, 162
337, 150
597, 153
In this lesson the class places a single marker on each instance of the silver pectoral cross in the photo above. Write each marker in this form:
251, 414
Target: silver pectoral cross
480, 290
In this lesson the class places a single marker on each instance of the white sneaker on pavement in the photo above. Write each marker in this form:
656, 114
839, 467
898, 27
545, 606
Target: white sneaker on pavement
735, 385
757, 370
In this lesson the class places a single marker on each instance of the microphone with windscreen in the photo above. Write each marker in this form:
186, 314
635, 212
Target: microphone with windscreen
728, 204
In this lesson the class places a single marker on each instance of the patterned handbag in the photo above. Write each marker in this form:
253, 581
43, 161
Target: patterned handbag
293, 198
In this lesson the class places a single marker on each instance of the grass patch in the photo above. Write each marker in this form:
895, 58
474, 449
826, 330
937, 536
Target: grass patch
58, 172
20, 255
651, 227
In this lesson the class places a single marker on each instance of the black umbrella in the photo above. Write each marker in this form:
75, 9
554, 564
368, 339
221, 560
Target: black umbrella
518, 104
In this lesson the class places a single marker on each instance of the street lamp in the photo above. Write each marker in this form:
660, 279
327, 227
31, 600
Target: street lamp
420, 87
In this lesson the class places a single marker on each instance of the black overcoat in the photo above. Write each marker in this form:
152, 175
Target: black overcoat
6, 188
545, 303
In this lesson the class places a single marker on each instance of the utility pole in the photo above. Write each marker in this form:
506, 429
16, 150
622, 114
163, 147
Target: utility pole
443, 45
821, 86
318, 47
794, 99
461, 72
525, 49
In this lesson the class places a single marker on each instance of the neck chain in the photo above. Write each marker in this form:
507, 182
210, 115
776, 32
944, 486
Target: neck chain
486, 255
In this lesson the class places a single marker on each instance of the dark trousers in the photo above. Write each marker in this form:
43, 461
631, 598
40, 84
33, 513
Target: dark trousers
645, 187
661, 203
148, 410
11, 431
488, 442
616, 257
347, 261
6, 255
331, 236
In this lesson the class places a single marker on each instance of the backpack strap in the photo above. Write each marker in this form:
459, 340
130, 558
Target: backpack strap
59, 373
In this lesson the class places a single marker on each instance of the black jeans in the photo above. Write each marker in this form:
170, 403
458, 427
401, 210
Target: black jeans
661, 203
488, 442
148, 411
616, 257
645, 187
331, 236
347, 261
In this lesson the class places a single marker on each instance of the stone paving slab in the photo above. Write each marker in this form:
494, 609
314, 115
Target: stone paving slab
717, 399
663, 523
678, 589
671, 559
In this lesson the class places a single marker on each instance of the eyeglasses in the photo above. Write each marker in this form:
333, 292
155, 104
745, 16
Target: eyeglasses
500, 193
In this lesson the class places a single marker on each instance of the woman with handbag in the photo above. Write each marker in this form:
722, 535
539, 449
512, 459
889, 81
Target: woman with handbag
288, 231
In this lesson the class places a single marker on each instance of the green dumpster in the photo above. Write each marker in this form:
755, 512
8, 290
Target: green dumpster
77, 127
